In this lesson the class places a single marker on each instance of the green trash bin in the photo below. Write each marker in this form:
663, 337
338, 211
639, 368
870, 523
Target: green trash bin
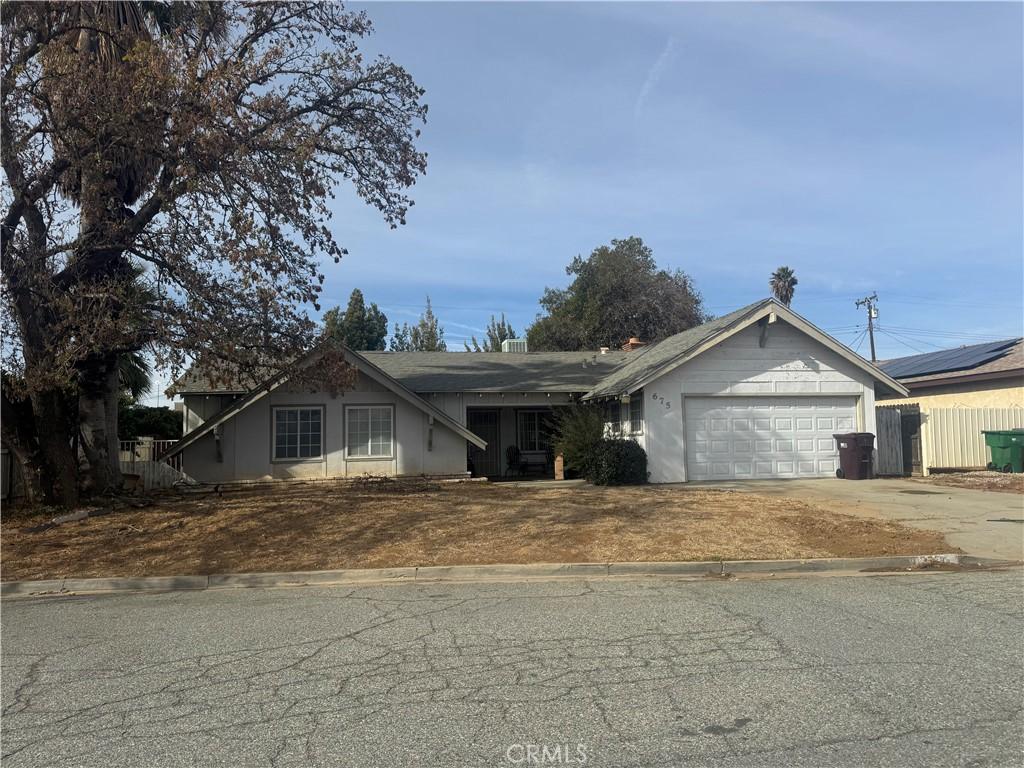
1007, 448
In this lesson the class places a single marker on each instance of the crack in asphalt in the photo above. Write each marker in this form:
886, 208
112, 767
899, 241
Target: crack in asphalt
424, 674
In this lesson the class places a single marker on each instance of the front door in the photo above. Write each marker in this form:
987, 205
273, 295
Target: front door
484, 422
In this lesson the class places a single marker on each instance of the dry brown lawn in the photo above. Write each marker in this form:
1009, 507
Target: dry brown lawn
979, 481
315, 527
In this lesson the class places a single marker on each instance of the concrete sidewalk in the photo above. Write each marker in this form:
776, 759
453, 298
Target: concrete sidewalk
965, 516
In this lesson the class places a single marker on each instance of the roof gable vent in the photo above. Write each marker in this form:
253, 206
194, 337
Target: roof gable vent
513, 345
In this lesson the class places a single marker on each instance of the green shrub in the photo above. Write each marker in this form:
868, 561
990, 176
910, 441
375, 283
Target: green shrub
576, 433
140, 420
614, 461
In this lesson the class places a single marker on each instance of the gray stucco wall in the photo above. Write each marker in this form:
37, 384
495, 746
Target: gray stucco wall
790, 363
198, 408
419, 447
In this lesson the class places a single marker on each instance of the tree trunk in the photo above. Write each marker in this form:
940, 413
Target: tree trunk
98, 409
54, 424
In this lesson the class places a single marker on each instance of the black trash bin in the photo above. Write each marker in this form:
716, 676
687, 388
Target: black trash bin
855, 461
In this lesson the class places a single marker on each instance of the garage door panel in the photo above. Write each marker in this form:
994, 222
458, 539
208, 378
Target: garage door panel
749, 437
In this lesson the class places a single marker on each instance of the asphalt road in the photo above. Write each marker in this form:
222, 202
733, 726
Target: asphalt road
922, 670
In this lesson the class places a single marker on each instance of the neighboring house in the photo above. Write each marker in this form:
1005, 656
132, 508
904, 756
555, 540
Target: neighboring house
977, 376
954, 395
756, 393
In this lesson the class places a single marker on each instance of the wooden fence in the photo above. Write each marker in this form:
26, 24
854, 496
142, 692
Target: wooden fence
889, 456
953, 438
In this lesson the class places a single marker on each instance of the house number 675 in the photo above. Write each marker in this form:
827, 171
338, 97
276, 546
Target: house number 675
667, 403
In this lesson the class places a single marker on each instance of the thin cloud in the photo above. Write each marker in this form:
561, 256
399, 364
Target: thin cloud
654, 75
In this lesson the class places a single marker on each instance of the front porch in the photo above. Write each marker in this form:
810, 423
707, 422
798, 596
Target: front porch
519, 442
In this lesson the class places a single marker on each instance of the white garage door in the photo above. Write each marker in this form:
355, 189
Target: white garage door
749, 437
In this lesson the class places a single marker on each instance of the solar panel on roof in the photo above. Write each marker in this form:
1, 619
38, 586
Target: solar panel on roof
959, 359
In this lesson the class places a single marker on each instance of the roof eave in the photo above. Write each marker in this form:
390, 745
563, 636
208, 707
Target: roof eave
964, 378
764, 309
419, 402
679, 359
282, 376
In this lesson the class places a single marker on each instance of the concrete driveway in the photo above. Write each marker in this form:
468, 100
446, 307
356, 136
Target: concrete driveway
967, 517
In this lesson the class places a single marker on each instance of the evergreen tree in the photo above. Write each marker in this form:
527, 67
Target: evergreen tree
358, 327
617, 292
400, 341
426, 336
497, 332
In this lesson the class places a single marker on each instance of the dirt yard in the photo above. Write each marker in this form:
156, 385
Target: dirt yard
315, 527
979, 481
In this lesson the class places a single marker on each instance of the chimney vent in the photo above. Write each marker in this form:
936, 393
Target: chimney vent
633, 343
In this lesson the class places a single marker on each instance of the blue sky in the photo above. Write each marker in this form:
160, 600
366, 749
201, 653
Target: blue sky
871, 147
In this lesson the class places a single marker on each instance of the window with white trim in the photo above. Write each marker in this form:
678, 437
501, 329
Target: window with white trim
529, 431
370, 431
298, 433
613, 416
636, 414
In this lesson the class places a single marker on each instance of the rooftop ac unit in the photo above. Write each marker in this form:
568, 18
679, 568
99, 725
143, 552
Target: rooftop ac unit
513, 345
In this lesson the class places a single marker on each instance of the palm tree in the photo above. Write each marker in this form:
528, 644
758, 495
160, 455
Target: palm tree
103, 33
102, 36
135, 375
783, 284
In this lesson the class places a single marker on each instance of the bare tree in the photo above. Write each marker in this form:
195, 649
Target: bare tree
169, 169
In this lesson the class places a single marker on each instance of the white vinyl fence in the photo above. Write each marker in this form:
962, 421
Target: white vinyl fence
140, 457
952, 437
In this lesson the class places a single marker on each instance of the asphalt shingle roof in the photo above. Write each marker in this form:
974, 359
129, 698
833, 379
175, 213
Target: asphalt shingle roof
196, 381
648, 360
591, 372
498, 371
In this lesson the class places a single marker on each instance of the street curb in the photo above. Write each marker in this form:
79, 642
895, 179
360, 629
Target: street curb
470, 573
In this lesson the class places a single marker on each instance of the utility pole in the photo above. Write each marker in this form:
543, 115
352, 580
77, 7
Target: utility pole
869, 302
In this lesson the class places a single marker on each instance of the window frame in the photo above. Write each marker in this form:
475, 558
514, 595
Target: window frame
614, 426
274, 458
636, 420
536, 413
367, 407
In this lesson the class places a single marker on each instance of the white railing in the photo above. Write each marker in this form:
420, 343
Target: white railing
142, 458
134, 451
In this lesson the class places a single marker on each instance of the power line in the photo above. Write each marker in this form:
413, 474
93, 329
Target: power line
901, 341
858, 340
946, 334
907, 337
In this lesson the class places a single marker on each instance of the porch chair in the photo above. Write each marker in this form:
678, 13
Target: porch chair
513, 461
